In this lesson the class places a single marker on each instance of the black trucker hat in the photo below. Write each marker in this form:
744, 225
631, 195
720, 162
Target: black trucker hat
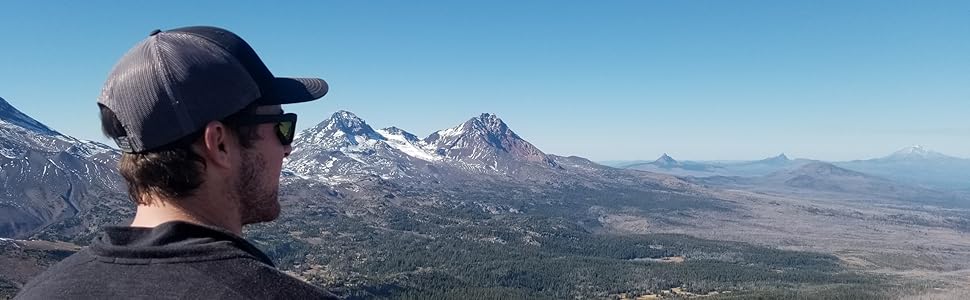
175, 82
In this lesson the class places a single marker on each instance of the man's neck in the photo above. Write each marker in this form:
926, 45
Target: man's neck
198, 211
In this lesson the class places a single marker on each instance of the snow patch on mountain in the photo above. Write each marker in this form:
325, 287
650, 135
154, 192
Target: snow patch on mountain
407, 143
8, 153
915, 152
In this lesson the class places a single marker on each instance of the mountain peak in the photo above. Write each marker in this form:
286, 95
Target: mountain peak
489, 117
484, 140
914, 149
486, 125
489, 127
915, 152
775, 161
348, 122
345, 115
11, 115
488, 122
343, 128
665, 160
779, 157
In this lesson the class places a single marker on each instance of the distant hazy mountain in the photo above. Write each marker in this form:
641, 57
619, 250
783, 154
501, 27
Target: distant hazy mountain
49, 178
765, 166
666, 161
821, 177
781, 159
914, 165
918, 165
666, 164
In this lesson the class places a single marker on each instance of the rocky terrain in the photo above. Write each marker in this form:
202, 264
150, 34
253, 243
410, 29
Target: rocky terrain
22, 260
49, 180
477, 209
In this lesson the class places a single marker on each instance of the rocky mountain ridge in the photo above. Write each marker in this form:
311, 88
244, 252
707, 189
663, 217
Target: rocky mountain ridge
345, 148
48, 178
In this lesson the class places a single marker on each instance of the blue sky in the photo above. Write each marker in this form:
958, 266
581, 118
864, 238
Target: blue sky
833, 80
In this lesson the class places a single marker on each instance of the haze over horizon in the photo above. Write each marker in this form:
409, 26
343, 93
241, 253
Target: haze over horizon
745, 80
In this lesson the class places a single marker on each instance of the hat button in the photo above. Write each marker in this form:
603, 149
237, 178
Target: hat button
154, 32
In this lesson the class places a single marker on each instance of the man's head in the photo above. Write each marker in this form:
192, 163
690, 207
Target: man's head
194, 107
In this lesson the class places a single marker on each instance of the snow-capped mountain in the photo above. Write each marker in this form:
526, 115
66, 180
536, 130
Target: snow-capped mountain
344, 147
920, 165
916, 152
341, 131
485, 143
47, 177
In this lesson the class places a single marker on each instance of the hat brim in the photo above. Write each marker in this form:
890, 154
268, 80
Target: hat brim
295, 90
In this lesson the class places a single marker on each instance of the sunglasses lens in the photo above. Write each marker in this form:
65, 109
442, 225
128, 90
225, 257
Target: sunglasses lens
285, 132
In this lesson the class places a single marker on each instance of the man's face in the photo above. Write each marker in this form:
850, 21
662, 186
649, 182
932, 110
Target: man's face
258, 180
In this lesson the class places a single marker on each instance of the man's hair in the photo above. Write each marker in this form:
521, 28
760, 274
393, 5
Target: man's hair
172, 171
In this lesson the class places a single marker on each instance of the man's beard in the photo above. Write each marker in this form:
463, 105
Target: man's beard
258, 200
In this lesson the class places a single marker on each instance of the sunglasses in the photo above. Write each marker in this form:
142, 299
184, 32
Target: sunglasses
285, 125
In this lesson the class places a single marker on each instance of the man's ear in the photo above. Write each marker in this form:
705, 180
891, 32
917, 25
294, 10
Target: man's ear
217, 141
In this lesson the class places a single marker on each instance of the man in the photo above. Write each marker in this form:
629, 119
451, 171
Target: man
198, 117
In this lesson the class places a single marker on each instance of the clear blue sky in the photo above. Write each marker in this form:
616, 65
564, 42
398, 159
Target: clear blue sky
607, 80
